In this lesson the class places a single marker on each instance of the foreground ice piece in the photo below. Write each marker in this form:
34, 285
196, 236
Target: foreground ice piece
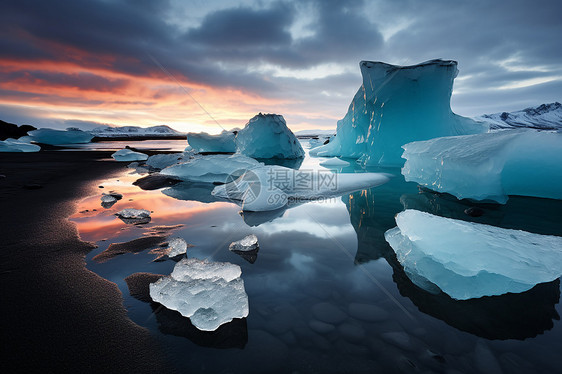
544, 116
396, 105
209, 293
128, 155
177, 246
267, 136
220, 143
489, 166
134, 216
56, 137
334, 161
15, 145
211, 168
470, 260
247, 244
271, 187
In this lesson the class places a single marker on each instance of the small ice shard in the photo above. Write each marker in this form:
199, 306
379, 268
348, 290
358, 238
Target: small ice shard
470, 260
247, 248
396, 105
57, 137
334, 161
135, 216
107, 200
267, 136
177, 246
209, 293
18, 145
247, 244
220, 143
489, 166
271, 187
211, 168
129, 155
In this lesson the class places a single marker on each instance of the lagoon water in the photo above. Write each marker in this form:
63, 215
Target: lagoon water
326, 293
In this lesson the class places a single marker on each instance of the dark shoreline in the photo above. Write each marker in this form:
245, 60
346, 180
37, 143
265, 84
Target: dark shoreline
57, 316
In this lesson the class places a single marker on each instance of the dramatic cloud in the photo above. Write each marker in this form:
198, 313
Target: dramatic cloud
144, 62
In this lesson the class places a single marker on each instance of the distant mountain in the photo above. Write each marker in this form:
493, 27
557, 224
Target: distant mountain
10, 130
544, 117
304, 134
161, 131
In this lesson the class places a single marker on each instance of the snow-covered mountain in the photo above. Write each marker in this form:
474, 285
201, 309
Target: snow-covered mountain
544, 117
304, 134
161, 131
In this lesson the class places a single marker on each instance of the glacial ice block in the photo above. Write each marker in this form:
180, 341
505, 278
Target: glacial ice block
470, 260
211, 168
163, 160
176, 247
16, 145
247, 244
271, 187
208, 293
128, 155
220, 143
396, 105
267, 136
57, 137
489, 166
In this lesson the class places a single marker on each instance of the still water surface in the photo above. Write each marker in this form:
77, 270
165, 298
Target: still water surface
326, 293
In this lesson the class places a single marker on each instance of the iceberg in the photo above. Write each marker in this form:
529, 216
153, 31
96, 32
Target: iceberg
128, 155
16, 145
272, 187
211, 168
334, 161
396, 105
489, 166
220, 143
267, 136
163, 160
210, 294
57, 137
470, 260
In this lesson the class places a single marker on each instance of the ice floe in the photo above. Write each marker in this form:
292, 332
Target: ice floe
129, 155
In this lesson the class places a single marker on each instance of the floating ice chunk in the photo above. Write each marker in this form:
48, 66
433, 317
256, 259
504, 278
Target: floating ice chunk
211, 168
17, 145
396, 105
177, 246
470, 260
489, 166
267, 136
107, 201
134, 216
247, 244
334, 161
220, 143
271, 187
129, 155
209, 293
56, 137
164, 160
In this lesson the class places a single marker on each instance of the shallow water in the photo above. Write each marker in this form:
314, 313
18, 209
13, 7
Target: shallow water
326, 293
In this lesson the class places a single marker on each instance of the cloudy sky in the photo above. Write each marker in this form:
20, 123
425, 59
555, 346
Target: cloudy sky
149, 62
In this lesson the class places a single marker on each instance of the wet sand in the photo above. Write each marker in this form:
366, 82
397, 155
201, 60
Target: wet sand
56, 315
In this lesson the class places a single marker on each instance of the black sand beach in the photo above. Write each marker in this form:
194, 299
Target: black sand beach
56, 315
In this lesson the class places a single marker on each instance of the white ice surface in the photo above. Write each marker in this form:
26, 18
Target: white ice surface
128, 155
470, 260
209, 293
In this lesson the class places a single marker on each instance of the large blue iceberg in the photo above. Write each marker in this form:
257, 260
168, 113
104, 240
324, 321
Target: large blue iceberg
58, 137
396, 105
489, 166
220, 143
470, 260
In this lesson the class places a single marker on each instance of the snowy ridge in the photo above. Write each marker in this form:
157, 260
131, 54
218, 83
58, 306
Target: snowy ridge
135, 131
543, 117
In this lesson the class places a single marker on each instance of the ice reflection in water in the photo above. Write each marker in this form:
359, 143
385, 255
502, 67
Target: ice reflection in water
311, 306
